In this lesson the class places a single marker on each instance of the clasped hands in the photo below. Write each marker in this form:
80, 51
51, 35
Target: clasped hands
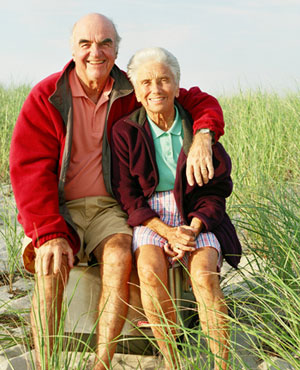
181, 239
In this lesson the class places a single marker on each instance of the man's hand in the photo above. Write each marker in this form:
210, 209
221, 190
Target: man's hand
52, 250
199, 164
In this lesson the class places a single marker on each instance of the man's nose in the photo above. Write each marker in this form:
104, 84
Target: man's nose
96, 50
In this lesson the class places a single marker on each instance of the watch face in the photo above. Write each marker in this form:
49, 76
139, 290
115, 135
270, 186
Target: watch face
205, 130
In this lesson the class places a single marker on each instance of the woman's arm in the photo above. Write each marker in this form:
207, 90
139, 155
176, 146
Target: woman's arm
197, 225
174, 235
208, 203
128, 153
180, 239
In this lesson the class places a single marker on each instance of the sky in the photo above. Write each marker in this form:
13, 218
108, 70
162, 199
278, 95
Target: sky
222, 46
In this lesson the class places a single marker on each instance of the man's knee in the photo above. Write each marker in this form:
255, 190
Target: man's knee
112, 246
118, 243
115, 257
118, 258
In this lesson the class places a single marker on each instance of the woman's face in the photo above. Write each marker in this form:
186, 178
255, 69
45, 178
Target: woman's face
156, 89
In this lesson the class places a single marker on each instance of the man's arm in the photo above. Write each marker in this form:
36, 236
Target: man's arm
34, 163
207, 114
199, 165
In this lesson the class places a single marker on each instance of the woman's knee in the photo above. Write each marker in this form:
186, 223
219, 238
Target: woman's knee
151, 275
151, 266
206, 280
203, 268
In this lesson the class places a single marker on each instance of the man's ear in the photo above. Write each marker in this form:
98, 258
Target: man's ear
177, 92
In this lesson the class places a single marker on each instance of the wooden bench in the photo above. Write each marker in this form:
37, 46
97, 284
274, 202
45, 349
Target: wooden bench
82, 296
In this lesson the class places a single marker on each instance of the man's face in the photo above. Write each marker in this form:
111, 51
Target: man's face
94, 50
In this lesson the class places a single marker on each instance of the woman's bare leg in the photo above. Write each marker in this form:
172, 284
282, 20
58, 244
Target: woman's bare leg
211, 304
153, 274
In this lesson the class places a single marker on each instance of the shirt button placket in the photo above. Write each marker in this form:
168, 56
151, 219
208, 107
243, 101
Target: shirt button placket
169, 141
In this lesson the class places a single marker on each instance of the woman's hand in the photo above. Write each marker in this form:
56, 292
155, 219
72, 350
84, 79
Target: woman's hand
187, 233
196, 225
181, 239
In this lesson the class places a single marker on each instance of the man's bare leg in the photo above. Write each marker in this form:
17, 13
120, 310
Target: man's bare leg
115, 259
46, 311
211, 305
158, 307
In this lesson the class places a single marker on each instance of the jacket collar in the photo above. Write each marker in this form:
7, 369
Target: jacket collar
175, 129
122, 85
62, 96
139, 116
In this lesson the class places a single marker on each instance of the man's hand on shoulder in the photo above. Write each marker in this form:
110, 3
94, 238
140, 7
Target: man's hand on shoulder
52, 252
199, 164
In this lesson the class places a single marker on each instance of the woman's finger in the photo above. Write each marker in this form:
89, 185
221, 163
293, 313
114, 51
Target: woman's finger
169, 251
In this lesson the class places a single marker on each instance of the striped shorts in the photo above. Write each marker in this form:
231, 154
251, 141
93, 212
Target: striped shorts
164, 204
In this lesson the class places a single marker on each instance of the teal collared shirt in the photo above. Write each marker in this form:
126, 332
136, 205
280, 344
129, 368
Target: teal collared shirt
167, 145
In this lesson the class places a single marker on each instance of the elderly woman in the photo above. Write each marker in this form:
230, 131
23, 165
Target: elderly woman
172, 220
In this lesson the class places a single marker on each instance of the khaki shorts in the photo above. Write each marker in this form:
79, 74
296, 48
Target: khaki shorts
96, 218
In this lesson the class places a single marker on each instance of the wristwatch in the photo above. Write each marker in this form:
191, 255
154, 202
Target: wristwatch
207, 131
204, 130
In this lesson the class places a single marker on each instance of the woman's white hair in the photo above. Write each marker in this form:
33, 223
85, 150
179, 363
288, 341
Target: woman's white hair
154, 54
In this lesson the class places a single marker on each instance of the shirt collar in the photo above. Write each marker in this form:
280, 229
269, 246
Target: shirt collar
78, 91
175, 129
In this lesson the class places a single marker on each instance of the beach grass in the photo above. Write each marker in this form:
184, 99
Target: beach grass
11, 101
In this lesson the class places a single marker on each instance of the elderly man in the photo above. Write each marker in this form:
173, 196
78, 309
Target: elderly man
60, 173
